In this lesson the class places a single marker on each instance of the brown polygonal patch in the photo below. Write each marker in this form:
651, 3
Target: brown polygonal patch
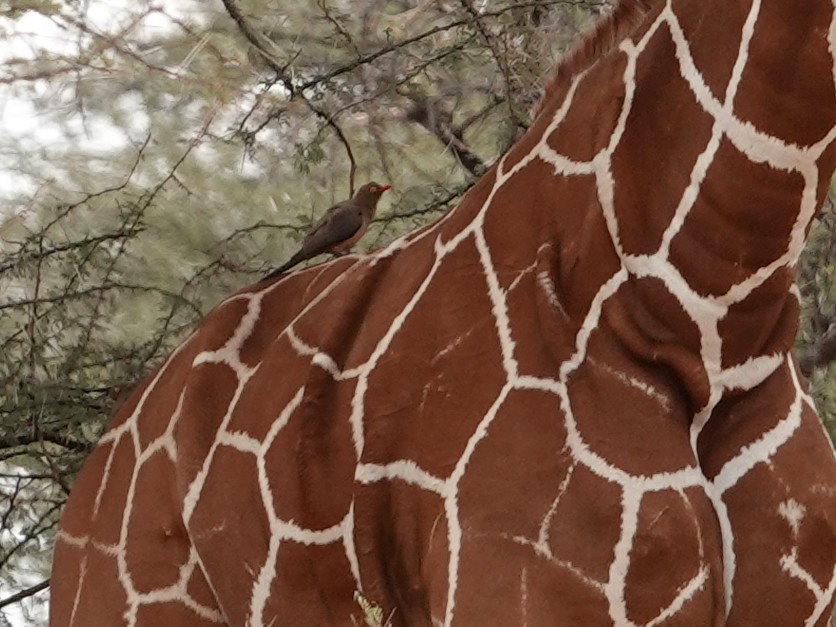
645, 329
421, 404
199, 591
587, 523
281, 374
763, 323
460, 218
624, 409
230, 530
805, 466
761, 539
77, 516
160, 404
740, 222
156, 542
220, 324
66, 559
741, 419
503, 582
348, 323
715, 61
817, 541
586, 257
313, 586
361, 324
665, 558
778, 97
279, 307
586, 130
510, 232
171, 613
652, 164
523, 147
106, 527
101, 582
207, 396
125, 405
310, 463
401, 534
516, 470
538, 327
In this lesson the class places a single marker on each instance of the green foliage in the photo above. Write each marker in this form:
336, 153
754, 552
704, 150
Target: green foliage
817, 283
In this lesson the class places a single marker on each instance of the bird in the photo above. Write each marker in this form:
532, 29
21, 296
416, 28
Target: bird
339, 228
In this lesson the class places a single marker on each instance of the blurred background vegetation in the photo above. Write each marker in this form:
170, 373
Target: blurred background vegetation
152, 162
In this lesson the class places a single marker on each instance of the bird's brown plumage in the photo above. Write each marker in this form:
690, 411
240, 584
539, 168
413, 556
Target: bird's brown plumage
339, 228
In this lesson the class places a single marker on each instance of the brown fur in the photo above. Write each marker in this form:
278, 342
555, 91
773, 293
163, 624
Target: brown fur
499, 420
610, 30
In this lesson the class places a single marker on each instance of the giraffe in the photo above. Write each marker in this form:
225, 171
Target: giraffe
570, 401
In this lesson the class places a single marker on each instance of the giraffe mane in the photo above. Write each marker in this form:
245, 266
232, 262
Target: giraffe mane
607, 33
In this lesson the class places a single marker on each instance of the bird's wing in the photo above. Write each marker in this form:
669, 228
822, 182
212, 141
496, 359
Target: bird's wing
339, 224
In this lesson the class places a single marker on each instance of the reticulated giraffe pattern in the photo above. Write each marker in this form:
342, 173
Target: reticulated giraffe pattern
569, 402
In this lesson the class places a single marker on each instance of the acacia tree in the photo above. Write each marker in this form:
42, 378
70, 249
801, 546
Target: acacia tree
178, 155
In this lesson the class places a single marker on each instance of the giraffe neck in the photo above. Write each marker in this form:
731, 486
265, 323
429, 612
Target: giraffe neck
735, 161
686, 162
722, 218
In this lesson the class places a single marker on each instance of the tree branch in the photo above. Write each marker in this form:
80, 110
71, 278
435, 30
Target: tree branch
437, 121
261, 43
24, 594
500, 59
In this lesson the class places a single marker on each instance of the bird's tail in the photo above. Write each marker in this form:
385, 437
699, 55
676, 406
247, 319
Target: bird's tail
297, 258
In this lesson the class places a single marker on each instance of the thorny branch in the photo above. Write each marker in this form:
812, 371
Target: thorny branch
262, 45
298, 89
499, 58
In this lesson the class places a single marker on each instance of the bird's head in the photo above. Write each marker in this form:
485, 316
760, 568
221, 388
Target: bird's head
370, 193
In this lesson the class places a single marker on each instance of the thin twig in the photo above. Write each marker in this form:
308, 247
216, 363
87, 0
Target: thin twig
25, 594
261, 43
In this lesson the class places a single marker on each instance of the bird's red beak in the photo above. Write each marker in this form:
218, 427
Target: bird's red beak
383, 188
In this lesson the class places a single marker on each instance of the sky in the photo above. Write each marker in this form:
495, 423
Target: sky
34, 130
